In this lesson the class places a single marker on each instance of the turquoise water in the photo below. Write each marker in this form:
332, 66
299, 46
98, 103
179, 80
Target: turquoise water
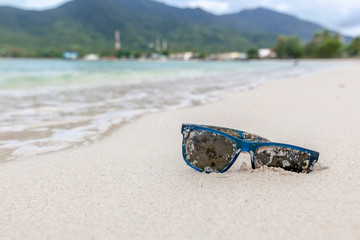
39, 73
49, 105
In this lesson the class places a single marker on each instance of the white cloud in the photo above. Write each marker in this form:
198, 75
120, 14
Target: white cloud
329, 13
282, 7
211, 6
33, 4
352, 31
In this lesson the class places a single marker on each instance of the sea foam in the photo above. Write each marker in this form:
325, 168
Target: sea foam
53, 105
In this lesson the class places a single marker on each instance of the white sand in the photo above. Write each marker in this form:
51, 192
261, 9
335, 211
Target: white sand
135, 185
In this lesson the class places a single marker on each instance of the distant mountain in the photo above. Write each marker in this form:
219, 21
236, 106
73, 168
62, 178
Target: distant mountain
88, 26
265, 20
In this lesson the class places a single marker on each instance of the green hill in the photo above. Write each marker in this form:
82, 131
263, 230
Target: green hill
88, 26
265, 20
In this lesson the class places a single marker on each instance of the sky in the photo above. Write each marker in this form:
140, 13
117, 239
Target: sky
340, 15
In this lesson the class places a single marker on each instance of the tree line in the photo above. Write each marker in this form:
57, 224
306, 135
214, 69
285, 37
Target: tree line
322, 45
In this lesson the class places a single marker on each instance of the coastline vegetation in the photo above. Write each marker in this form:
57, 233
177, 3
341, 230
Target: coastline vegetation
322, 45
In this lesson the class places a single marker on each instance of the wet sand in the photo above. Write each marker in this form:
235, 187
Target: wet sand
134, 183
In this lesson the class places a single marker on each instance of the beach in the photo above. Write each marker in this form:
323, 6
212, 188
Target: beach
134, 183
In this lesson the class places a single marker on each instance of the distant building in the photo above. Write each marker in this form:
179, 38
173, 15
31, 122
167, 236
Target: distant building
158, 56
157, 45
266, 53
91, 57
164, 45
70, 55
231, 56
185, 56
117, 41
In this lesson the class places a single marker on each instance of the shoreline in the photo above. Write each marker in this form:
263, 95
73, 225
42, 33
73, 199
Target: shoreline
135, 184
353, 59
46, 140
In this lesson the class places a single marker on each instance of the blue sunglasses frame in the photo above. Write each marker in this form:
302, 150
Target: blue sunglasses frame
245, 142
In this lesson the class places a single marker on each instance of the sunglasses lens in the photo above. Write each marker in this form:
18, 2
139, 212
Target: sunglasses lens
282, 157
209, 152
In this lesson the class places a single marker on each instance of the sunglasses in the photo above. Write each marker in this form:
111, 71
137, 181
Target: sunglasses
215, 149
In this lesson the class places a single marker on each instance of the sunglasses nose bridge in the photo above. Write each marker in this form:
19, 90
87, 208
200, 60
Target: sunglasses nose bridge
244, 146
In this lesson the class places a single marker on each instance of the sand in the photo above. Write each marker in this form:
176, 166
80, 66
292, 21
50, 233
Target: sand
134, 183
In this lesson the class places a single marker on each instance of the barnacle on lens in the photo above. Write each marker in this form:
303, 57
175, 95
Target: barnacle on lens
208, 151
283, 157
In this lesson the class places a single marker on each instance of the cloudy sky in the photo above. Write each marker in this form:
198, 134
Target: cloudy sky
343, 16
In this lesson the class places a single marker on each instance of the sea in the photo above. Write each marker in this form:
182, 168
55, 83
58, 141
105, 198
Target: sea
50, 105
